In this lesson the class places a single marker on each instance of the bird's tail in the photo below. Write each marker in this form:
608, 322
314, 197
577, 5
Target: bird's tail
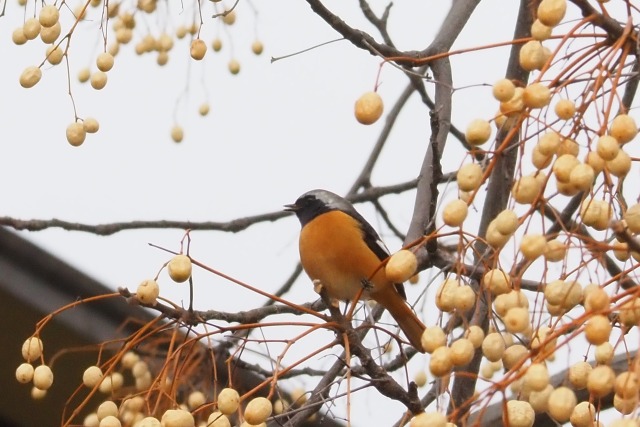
407, 320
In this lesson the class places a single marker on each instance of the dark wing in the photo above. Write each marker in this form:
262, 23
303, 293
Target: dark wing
375, 243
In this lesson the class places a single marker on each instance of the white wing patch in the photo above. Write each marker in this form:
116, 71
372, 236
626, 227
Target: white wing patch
381, 244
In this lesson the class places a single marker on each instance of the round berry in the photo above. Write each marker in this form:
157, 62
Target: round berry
179, 268
401, 266
147, 292
30, 76
369, 108
76, 134
198, 49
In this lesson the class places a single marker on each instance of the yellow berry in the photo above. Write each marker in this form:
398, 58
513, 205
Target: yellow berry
519, 414
177, 133
565, 109
497, 281
30, 76
623, 128
537, 377
218, 419
620, 165
147, 292
107, 408
258, 410
42, 377
440, 363
555, 251
198, 49
179, 268
37, 394
598, 329
514, 355
539, 400
111, 421
475, 335
516, 320
532, 56
49, 16
632, 218
478, 132
513, 106
446, 295
532, 245
506, 222
626, 385
230, 17
177, 418
76, 134
368, 108
420, 378
234, 66
604, 353
401, 266
432, 338
32, 349
493, 346
629, 312
561, 403
539, 160
469, 176
84, 75
548, 143
583, 415
465, 298
129, 359
54, 55
582, 176
24, 373
104, 62
526, 189
203, 110
228, 401
18, 36
579, 374
50, 34
91, 125
98, 80
539, 31
462, 351
257, 47
536, 95
162, 58
551, 12
595, 298
216, 45
596, 213
428, 419
607, 147
196, 399
31, 28
503, 90
181, 31
601, 381
563, 166
92, 376
455, 212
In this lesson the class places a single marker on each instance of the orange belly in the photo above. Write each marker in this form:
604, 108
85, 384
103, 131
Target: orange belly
332, 251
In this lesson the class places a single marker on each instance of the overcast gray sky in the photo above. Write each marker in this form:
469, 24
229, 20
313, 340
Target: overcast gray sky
274, 132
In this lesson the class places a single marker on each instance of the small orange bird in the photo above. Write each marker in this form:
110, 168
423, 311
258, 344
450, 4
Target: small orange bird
341, 250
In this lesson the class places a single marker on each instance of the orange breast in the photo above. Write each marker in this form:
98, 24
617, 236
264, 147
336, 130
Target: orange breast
332, 250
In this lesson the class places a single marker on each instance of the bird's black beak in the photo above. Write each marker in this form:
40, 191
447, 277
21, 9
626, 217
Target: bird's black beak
291, 208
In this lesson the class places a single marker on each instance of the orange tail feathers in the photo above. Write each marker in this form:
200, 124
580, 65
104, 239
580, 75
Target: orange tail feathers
407, 320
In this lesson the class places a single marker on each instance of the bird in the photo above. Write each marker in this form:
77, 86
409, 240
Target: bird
340, 250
